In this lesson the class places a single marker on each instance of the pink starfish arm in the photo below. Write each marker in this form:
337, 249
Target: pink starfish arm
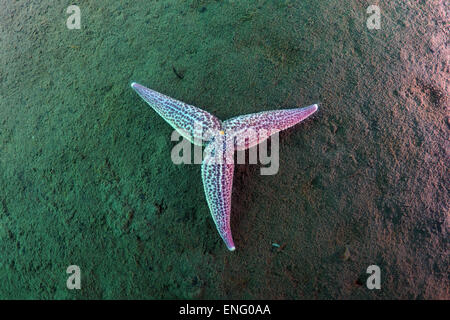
251, 129
218, 182
196, 125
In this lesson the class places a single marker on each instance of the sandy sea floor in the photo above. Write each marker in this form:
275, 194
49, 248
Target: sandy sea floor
85, 170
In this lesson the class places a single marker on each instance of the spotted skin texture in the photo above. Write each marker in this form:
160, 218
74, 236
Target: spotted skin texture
252, 129
221, 140
196, 125
218, 183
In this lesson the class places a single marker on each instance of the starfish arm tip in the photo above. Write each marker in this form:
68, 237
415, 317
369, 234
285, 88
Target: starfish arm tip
229, 241
310, 110
133, 84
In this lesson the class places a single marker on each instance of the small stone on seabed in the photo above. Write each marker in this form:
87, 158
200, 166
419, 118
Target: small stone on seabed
346, 255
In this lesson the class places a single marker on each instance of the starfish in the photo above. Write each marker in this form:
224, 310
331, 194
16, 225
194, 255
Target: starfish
221, 140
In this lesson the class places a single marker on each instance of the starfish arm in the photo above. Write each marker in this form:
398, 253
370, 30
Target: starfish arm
196, 125
218, 182
252, 129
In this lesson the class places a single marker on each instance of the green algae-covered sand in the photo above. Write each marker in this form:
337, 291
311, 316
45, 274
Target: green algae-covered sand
86, 176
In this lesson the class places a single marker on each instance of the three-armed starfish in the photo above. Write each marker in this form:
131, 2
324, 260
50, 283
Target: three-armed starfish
202, 128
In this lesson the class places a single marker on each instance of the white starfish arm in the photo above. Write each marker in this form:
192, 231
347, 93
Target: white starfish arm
218, 182
252, 129
196, 125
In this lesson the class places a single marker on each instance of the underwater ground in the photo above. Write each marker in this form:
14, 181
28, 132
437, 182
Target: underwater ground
85, 170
